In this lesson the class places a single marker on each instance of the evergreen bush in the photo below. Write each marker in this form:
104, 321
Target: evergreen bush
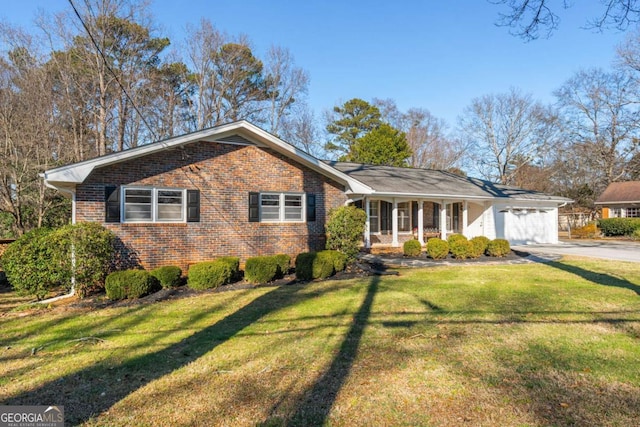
169, 276
210, 274
460, 247
319, 265
498, 248
412, 248
345, 227
130, 284
261, 269
437, 248
478, 246
618, 226
284, 264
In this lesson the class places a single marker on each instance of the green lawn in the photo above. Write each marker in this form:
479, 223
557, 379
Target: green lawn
511, 345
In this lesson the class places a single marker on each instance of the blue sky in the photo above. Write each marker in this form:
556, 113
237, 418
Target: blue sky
437, 55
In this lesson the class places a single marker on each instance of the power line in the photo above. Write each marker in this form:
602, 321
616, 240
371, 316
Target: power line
115, 76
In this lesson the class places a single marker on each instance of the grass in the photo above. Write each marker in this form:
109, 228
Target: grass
509, 345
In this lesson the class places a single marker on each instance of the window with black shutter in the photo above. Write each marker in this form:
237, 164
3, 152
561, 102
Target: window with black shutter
311, 207
112, 203
193, 205
254, 207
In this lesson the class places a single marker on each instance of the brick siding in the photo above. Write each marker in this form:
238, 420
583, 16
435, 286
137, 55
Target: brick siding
224, 174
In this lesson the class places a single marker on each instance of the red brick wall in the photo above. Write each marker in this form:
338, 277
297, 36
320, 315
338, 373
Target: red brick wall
224, 174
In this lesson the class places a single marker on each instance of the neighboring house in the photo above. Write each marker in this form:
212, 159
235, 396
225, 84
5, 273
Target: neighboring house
238, 190
620, 200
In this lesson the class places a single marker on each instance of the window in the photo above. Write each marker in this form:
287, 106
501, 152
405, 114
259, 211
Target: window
374, 226
404, 216
153, 205
632, 212
616, 213
282, 207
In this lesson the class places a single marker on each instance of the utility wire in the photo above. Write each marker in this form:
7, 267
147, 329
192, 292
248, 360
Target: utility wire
115, 76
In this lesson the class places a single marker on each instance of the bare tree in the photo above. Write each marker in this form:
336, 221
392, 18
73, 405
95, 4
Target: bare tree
528, 18
505, 132
287, 84
601, 118
430, 143
301, 129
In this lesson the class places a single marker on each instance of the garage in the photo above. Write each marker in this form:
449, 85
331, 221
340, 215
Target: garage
527, 224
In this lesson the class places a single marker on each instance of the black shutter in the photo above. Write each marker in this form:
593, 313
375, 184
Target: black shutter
254, 207
193, 205
111, 203
311, 207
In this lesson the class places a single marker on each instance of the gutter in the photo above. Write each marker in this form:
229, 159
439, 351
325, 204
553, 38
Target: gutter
72, 292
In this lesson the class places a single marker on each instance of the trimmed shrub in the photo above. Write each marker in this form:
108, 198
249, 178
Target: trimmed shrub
210, 274
454, 238
478, 246
636, 234
169, 276
412, 248
460, 247
339, 259
261, 269
437, 248
284, 264
41, 260
345, 227
130, 284
30, 266
319, 265
234, 265
304, 265
588, 231
618, 226
498, 248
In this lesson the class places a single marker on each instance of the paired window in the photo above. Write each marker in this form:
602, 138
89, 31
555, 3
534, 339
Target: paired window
281, 207
153, 205
624, 212
147, 204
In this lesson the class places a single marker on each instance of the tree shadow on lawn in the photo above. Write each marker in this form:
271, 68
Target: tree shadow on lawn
93, 390
597, 278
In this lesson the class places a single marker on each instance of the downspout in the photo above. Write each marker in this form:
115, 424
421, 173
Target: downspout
72, 292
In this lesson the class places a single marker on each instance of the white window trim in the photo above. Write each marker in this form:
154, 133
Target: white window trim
281, 207
154, 205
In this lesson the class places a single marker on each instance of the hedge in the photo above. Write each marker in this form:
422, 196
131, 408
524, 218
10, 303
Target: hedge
478, 246
437, 248
261, 269
498, 248
460, 247
618, 226
211, 274
130, 284
412, 248
319, 265
284, 264
169, 276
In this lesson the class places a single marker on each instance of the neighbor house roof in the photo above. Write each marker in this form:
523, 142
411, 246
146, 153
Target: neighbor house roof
620, 192
427, 183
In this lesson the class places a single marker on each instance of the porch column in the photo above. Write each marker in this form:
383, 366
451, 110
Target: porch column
367, 225
465, 217
394, 224
421, 221
443, 220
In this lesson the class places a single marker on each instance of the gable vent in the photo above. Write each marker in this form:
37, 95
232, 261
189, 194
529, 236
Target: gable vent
235, 139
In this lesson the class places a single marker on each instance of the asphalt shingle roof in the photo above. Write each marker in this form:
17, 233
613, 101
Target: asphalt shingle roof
434, 183
621, 192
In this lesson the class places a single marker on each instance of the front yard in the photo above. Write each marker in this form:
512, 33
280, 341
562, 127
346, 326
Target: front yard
510, 345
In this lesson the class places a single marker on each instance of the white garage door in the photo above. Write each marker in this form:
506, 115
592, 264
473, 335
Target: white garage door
523, 226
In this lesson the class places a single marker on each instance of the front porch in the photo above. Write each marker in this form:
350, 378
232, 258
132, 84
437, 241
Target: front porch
391, 222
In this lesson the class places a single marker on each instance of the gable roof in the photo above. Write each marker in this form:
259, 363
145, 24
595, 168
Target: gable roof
237, 133
620, 192
427, 183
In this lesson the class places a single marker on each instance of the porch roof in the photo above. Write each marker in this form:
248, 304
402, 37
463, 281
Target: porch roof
426, 183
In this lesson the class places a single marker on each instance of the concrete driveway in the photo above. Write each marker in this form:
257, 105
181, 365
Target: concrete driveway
615, 250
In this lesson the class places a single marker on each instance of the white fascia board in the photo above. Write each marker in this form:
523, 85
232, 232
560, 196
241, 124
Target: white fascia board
430, 196
616, 203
